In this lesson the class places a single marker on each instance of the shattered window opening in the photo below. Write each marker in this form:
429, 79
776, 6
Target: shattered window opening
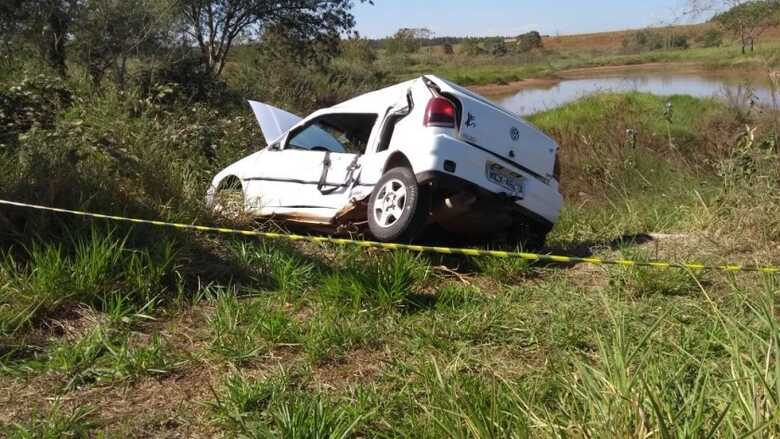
338, 133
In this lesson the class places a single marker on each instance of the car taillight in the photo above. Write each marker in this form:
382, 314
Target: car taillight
440, 112
557, 168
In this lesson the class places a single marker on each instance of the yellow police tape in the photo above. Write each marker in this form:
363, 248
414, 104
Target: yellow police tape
415, 248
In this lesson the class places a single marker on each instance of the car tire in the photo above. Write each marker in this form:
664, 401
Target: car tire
398, 208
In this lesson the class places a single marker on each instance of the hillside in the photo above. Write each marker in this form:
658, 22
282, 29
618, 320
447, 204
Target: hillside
605, 41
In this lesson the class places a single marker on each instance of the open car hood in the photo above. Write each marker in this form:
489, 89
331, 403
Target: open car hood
273, 121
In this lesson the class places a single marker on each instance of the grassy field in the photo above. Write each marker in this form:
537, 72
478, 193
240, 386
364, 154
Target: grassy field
115, 331
562, 53
108, 330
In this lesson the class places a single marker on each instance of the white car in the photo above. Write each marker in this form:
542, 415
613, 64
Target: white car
422, 152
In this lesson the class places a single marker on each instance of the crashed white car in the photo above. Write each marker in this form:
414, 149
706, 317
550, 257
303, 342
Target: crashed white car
422, 152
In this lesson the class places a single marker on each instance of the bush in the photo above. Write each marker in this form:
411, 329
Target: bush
496, 47
189, 78
31, 102
711, 38
471, 47
680, 42
644, 40
357, 50
529, 41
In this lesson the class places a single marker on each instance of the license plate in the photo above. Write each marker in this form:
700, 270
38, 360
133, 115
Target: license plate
505, 178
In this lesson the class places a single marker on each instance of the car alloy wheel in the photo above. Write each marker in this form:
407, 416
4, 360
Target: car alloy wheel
390, 203
398, 208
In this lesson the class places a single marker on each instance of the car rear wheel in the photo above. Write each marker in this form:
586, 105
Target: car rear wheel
398, 209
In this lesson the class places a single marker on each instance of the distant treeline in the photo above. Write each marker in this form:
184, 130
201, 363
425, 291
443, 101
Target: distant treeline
410, 40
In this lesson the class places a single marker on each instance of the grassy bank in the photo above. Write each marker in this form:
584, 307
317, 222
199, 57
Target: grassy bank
139, 332
485, 69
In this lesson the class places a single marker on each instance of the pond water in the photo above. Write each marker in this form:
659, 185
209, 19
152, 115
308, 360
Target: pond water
735, 88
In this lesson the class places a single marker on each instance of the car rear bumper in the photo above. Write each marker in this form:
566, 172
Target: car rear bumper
540, 200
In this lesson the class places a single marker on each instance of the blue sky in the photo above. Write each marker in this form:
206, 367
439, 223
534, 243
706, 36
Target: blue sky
511, 17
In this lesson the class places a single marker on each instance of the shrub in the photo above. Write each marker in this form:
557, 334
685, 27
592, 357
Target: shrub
529, 41
31, 102
711, 38
644, 40
680, 42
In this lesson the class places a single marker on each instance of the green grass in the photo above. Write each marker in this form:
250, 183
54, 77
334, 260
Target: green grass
102, 357
56, 423
387, 280
243, 329
91, 269
275, 408
221, 336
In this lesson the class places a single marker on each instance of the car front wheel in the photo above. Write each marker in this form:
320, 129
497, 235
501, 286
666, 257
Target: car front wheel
398, 210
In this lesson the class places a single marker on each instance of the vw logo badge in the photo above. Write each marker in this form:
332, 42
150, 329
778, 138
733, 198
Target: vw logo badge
514, 133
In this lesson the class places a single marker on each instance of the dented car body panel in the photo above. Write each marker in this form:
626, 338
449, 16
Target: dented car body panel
319, 168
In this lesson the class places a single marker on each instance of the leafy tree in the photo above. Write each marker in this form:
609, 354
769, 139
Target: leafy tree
44, 23
644, 39
281, 44
711, 38
680, 41
746, 19
215, 25
110, 31
471, 47
404, 41
529, 41
749, 20
357, 50
496, 47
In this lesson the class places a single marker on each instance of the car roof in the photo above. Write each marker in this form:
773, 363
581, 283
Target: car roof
375, 101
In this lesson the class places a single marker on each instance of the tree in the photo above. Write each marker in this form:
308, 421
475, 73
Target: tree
529, 41
215, 25
45, 23
496, 46
407, 40
644, 39
711, 38
746, 19
110, 31
471, 47
357, 50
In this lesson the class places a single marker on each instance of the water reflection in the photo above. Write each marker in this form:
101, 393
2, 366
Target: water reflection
734, 88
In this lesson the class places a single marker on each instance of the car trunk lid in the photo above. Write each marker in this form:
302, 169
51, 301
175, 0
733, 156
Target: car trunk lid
498, 131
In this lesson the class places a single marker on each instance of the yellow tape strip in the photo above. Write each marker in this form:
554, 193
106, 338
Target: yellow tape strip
415, 248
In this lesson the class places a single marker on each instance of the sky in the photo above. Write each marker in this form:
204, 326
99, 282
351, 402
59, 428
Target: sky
512, 17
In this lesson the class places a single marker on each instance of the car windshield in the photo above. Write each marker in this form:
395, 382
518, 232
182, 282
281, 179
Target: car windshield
339, 133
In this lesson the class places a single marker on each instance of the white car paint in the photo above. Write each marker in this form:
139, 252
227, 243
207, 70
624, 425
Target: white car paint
281, 180
275, 122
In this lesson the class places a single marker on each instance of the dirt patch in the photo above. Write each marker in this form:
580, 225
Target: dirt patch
676, 67
515, 86
614, 40
361, 366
